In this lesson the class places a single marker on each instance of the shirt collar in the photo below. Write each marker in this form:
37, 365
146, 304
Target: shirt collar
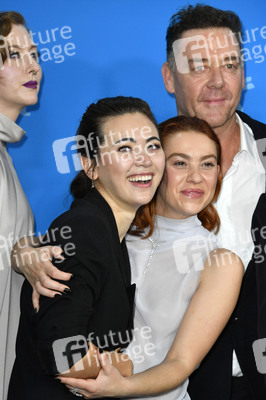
9, 131
246, 138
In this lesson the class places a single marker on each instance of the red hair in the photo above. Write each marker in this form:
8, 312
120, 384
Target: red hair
208, 216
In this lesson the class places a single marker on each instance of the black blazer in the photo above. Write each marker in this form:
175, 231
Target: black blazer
99, 307
212, 380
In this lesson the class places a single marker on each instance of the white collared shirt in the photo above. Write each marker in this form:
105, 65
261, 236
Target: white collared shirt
242, 186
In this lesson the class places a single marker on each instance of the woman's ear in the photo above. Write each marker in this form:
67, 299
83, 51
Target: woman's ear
90, 168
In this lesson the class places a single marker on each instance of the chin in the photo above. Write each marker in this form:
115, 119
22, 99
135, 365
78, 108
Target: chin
192, 212
30, 101
215, 118
144, 200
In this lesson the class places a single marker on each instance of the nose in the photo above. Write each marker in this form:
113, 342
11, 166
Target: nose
216, 79
142, 159
31, 65
194, 175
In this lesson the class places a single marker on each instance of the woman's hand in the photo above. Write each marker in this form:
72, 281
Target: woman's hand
35, 264
109, 383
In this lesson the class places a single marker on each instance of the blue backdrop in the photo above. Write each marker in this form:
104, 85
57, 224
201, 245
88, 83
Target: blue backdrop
92, 49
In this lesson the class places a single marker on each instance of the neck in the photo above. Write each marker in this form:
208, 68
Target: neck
162, 210
226, 131
123, 214
123, 221
229, 137
9, 112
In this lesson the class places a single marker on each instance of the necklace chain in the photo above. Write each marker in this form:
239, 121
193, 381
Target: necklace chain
154, 247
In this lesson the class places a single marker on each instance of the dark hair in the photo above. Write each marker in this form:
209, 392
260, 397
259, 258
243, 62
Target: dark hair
7, 19
90, 132
208, 216
200, 16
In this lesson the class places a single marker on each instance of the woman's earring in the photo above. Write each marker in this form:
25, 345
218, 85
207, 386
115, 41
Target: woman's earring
92, 180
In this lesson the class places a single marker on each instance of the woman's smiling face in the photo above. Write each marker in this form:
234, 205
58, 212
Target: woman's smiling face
190, 176
131, 161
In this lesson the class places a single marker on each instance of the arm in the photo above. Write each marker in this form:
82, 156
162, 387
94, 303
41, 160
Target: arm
206, 316
89, 366
34, 262
64, 323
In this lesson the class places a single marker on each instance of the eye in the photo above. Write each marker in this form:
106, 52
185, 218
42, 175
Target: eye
232, 67
229, 66
154, 146
208, 164
35, 55
199, 68
124, 149
14, 54
180, 164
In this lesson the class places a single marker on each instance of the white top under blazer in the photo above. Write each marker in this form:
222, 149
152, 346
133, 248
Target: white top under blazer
166, 269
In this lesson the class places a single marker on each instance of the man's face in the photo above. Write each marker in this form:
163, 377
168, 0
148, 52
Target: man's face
208, 77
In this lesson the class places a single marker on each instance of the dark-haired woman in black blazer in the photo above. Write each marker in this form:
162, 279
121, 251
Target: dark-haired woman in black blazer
122, 164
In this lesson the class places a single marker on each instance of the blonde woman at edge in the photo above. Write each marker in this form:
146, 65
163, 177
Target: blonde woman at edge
19, 87
20, 77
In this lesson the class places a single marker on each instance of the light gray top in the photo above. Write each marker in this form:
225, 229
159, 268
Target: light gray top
16, 220
166, 281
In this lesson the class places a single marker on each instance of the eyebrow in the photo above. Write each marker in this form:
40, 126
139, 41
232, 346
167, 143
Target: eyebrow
153, 138
129, 139
232, 58
206, 60
126, 139
15, 46
197, 60
187, 157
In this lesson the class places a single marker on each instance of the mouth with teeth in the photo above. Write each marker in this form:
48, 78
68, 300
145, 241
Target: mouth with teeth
141, 180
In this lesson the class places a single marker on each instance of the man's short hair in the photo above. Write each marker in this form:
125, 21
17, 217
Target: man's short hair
199, 16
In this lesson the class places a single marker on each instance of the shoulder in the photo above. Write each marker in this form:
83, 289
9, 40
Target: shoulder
223, 265
82, 223
80, 217
223, 257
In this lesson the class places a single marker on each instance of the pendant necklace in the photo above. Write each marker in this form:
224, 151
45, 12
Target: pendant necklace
154, 247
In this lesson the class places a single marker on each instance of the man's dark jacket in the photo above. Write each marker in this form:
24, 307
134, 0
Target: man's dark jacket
212, 380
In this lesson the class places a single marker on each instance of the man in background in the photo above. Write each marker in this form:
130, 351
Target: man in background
204, 70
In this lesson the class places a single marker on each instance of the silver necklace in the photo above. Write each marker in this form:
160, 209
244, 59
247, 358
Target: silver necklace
154, 247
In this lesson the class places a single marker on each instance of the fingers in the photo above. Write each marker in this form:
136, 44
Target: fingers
45, 285
48, 276
55, 273
85, 394
36, 265
56, 252
47, 292
85, 384
35, 300
49, 252
104, 359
